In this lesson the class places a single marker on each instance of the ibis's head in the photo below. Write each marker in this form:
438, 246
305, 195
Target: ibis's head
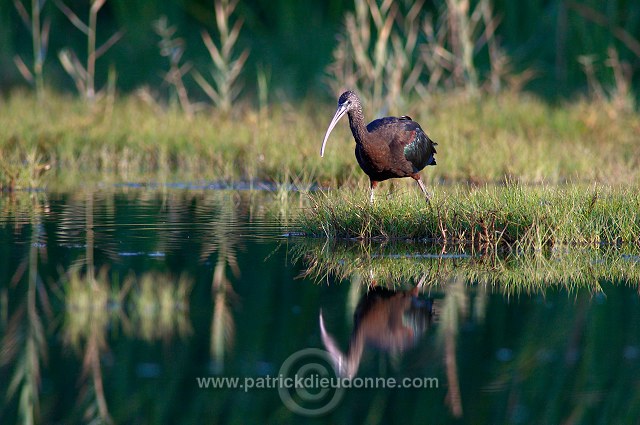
347, 102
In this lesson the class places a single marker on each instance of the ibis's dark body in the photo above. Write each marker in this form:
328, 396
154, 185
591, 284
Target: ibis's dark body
393, 147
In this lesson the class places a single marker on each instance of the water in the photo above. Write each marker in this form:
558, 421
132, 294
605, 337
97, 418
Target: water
123, 305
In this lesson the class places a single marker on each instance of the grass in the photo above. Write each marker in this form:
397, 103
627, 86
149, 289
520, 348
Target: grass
514, 216
64, 141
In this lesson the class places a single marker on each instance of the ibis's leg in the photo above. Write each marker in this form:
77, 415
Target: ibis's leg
373, 186
424, 189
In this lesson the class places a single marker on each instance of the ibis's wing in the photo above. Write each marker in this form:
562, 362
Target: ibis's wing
418, 148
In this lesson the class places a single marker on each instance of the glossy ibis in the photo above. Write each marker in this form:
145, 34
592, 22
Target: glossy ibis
389, 147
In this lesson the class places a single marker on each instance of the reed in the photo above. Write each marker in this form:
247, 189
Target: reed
226, 66
173, 48
384, 54
84, 75
376, 54
482, 43
40, 43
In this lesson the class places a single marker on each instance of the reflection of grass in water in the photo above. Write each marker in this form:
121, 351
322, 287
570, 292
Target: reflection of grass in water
157, 305
88, 299
24, 341
533, 350
24, 345
224, 242
403, 264
94, 305
511, 216
152, 307
87, 310
480, 140
160, 306
20, 208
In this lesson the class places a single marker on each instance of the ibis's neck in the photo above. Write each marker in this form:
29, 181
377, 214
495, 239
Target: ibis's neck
356, 122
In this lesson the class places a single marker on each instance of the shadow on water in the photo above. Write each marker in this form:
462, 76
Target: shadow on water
127, 305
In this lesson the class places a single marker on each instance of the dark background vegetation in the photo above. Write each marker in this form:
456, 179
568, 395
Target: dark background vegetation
293, 41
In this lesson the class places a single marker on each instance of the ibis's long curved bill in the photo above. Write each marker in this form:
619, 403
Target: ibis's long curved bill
340, 112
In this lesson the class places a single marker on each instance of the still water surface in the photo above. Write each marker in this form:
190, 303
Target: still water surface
121, 306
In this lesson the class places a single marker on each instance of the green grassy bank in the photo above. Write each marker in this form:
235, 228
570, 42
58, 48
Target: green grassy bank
487, 218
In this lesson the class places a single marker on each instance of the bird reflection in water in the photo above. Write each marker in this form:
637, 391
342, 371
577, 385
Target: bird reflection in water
389, 320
